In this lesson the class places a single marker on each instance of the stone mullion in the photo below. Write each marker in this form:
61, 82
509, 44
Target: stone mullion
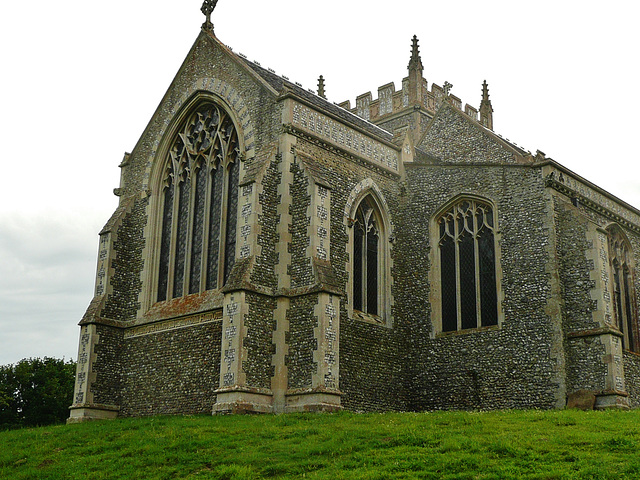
174, 228
476, 261
224, 204
192, 178
622, 314
365, 267
629, 309
456, 236
206, 221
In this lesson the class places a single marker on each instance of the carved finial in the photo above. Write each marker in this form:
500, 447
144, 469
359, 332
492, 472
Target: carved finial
486, 110
415, 62
207, 8
485, 91
321, 87
447, 88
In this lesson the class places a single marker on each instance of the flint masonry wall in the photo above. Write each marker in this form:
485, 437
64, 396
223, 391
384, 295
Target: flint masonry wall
171, 372
493, 367
585, 369
108, 367
371, 367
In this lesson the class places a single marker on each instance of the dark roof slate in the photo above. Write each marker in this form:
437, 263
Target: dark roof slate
278, 83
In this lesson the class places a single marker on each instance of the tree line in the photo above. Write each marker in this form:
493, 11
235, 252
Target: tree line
36, 392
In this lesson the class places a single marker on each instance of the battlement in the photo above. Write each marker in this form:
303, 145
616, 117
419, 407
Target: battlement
415, 94
390, 102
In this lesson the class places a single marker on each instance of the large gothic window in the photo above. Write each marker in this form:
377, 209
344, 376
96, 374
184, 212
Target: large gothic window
367, 258
467, 266
199, 197
625, 314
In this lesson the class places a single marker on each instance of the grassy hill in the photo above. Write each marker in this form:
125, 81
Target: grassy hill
441, 445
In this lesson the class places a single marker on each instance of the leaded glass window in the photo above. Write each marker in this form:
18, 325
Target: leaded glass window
625, 314
468, 266
366, 259
199, 204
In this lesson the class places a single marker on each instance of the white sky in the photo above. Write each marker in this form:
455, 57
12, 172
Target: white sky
81, 79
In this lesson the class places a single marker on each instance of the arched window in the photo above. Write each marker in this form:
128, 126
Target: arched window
467, 266
368, 258
199, 197
625, 314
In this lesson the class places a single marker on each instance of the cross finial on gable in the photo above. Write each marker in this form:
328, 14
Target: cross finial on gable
447, 88
207, 8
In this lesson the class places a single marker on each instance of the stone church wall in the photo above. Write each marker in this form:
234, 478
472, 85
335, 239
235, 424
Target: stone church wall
632, 377
371, 355
258, 342
171, 372
108, 366
126, 282
585, 369
491, 367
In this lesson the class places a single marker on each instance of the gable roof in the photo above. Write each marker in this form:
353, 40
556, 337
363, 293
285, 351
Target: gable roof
453, 137
281, 85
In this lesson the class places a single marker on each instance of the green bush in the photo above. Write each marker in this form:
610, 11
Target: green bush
35, 392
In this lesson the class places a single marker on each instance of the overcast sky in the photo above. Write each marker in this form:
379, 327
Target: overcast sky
81, 79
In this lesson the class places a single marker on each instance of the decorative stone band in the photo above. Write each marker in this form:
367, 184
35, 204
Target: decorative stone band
173, 324
591, 198
346, 138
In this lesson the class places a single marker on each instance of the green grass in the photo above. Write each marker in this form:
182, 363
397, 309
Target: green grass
441, 445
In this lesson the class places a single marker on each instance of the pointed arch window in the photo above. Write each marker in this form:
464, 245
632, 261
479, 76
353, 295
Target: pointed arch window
624, 307
368, 258
467, 266
199, 204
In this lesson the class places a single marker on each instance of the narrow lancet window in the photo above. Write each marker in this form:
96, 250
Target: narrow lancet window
624, 307
467, 266
197, 248
366, 259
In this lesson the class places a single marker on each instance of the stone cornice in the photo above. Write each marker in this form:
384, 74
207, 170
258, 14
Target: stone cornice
320, 142
588, 198
290, 94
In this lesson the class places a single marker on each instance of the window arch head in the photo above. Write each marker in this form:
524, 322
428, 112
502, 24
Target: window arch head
621, 266
467, 265
199, 203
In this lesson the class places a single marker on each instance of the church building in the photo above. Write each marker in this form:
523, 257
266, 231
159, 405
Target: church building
274, 252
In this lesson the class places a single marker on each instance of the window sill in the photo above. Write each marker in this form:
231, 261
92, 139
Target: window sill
467, 331
368, 318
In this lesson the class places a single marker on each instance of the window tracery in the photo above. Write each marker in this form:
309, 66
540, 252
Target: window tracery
467, 266
200, 187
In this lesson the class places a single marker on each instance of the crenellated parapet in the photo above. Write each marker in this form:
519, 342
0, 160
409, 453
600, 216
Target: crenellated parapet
415, 94
390, 102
